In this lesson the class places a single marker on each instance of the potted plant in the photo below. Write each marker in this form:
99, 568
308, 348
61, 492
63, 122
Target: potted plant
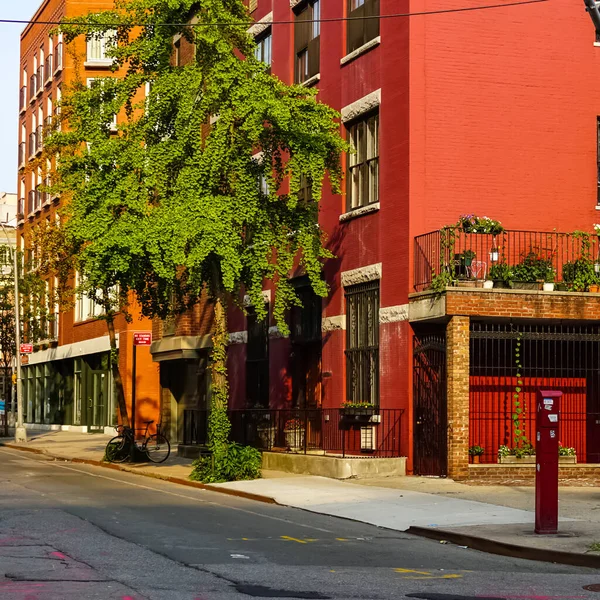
548, 285
475, 224
531, 272
501, 275
463, 262
566, 454
294, 434
524, 454
579, 274
475, 452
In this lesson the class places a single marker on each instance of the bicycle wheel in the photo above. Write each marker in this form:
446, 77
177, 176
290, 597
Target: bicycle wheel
158, 448
117, 450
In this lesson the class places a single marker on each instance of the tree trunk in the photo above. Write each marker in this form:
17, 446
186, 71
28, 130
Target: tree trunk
114, 366
218, 422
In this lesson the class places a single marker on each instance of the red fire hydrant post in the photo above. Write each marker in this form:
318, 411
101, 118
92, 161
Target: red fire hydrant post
546, 476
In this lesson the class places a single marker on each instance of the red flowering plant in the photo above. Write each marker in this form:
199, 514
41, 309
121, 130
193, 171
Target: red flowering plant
293, 425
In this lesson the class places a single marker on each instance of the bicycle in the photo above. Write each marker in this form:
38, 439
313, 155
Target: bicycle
122, 446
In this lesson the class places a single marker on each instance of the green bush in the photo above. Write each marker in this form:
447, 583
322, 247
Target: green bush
240, 463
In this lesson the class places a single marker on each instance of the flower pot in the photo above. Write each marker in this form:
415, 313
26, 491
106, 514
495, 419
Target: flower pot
515, 460
501, 284
594, 288
476, 459
548, 286
527, 285
266, 436
488, 284
470, 283
357, 413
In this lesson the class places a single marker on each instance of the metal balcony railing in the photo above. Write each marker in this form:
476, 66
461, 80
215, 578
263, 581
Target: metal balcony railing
32, 143
32, 87
21, 209
48, 68
22, 98
571, 260
39, 141
40, 80
58, 57
22, 151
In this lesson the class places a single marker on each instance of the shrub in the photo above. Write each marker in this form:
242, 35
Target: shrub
240, 463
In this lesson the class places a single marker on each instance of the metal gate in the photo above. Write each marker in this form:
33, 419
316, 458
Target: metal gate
430, 433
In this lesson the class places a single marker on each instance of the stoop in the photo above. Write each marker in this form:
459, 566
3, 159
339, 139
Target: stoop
334, 467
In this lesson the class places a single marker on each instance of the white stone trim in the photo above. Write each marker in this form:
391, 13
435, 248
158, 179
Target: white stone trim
213, 119
294, 3
238, 337
312, 80
361, 275
361, 50
393, 314
359, 212
361, 106
266, 294
274, 333
337, 323
83, 348
261, 25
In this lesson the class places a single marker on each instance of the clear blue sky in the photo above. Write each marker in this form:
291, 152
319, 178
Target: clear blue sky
9, 87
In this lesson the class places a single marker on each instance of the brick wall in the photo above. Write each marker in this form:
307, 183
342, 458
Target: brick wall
523, 304
576, 475
457, 356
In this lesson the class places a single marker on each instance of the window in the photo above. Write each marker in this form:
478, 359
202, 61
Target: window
598, 158
362, 178
307, 40
92, 83
262, 51
257, 360
362, 343
98, 45
305, 320
363, 26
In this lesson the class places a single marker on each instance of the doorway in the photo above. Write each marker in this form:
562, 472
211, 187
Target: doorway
97, 401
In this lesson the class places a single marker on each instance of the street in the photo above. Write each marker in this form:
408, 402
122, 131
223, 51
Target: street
74, 531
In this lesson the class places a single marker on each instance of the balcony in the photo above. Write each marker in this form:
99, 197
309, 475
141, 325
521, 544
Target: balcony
58, 58
22, 152
526, 260
32, 88
22, 98
48, 68
33, 201
32, 144
20, 209
40, 80
39, 142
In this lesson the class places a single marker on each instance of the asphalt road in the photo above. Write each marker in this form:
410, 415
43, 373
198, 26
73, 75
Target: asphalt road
78, 532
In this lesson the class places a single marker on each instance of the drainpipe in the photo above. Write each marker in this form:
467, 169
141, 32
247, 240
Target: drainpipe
592, 8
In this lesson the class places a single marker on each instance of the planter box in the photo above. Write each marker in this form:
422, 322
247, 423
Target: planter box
357, 412
531, 460
527, 285
266, 435
470, 283
500, 283
294, 439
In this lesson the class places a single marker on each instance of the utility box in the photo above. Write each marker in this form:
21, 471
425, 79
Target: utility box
546, 452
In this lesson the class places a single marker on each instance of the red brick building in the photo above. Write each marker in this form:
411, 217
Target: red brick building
488, 112
67, 380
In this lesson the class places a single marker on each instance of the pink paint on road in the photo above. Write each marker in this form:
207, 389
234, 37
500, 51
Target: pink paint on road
59, 555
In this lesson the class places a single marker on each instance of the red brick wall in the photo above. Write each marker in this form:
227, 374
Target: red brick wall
576, 475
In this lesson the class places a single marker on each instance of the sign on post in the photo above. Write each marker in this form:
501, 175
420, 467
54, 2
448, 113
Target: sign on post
26, 348
142, 338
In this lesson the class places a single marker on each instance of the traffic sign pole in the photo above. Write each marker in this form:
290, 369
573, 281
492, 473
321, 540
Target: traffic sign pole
140, 338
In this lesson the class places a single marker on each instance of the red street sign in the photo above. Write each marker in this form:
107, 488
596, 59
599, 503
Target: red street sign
26, 348
142, 338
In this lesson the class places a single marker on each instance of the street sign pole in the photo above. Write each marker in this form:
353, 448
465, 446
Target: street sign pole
133, 378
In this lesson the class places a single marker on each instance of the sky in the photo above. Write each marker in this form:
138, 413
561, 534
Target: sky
9, 87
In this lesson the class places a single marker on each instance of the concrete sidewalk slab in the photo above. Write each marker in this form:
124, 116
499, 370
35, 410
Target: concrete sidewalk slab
393, 509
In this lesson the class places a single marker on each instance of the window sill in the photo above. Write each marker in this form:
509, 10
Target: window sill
312, 80
360, 51
597, 206
359, 212
597, 44
102, 64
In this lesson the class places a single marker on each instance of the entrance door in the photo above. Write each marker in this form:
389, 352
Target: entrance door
97, 401
430, 407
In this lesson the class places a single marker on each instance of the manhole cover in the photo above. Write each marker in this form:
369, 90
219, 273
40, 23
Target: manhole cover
261, 591
595, 587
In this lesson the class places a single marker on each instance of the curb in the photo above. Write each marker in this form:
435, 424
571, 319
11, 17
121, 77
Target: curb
176, 480
505, 549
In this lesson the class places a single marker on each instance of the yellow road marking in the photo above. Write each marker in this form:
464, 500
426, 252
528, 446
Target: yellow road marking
435, 577
342, 539
293, 539
411, 571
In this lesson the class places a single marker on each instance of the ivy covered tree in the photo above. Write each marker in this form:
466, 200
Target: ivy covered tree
198, 191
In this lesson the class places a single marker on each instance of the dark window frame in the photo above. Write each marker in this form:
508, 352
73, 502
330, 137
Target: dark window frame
362, 342
362, 165
307, 40
261, 46
362, 26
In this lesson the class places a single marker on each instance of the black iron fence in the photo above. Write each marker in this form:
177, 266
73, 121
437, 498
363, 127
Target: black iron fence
571, 260
346, 432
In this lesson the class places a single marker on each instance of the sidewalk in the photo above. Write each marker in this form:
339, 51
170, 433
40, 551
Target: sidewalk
496, 519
